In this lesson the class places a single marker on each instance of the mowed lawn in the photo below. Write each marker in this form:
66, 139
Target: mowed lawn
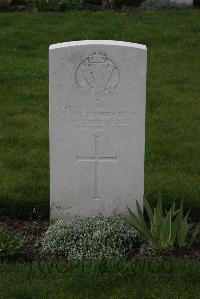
60, 280
172, 162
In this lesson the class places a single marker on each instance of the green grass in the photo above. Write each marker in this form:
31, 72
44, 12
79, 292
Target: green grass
172, 166
145, 280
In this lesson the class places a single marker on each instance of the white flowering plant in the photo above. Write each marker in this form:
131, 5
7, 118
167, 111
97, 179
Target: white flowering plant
95, 238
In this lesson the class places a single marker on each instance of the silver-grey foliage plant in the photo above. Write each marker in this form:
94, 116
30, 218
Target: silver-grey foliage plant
96, 238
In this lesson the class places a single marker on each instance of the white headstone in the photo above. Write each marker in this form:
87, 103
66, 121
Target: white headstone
97, 127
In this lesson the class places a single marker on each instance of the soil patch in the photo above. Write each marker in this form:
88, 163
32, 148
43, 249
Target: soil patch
32, 231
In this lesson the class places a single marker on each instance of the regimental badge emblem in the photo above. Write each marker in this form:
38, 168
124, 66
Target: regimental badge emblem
97, 74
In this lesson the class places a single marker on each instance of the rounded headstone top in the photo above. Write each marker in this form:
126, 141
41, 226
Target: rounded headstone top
97, 42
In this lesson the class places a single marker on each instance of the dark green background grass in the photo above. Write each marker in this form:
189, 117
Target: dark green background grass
138, 280
172, 163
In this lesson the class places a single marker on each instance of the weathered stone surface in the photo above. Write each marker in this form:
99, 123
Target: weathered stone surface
97, 127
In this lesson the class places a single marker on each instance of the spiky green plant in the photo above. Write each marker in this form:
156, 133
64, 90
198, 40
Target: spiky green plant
184, 227
164, 228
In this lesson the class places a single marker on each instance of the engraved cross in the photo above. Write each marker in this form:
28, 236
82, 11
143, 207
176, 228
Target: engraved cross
96, 158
